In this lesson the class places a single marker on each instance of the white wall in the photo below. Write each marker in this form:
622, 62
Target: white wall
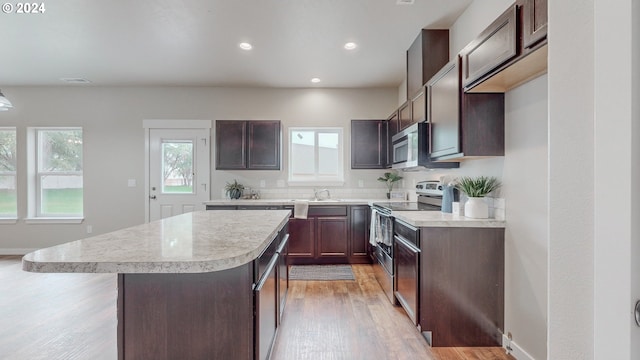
111, 118
616, 241
525, 190
571, 184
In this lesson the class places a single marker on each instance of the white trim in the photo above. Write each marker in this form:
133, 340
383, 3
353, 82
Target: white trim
52, 220
8, 221
16, 251
176, 124
516, 351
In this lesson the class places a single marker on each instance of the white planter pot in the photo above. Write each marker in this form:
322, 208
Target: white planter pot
476, 208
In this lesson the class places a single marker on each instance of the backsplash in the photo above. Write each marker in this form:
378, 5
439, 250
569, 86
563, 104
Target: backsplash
308, 193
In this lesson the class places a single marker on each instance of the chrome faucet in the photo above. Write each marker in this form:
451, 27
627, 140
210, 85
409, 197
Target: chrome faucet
316, 192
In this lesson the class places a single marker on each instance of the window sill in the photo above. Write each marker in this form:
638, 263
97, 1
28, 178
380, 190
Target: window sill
8, 221
49, 220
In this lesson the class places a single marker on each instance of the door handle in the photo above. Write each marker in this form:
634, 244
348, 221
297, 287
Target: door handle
152, 197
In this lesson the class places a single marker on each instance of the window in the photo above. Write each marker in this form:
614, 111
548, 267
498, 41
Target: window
8, 202
316, 155
56, 179
177, 167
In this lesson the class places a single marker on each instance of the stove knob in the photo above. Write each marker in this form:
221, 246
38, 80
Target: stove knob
439, 187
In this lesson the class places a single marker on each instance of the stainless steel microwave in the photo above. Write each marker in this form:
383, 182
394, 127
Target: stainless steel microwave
411, 150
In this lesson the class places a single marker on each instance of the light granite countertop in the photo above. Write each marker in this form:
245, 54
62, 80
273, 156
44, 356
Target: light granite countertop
291, 202
439, 219
203, 241
415, 218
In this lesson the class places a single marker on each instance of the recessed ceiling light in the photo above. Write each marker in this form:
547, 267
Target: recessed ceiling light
315, 80
245, 46
350, 45
75, 80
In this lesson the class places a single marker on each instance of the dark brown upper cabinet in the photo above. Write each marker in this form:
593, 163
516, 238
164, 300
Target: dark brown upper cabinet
428, 54
404, 116
462, 125
534, 22
392, 129
510, 52
496, 45
419, 106
248, 145
369, 144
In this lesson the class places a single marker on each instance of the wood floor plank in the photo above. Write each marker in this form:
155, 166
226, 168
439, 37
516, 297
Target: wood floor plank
73, 316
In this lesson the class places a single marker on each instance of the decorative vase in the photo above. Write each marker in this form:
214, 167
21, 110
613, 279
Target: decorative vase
447, 198
476, 208
235, 194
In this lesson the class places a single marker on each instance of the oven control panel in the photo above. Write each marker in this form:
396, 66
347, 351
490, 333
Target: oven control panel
429, 187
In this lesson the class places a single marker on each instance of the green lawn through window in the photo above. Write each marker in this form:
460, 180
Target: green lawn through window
178, 189
7, 202
62, 201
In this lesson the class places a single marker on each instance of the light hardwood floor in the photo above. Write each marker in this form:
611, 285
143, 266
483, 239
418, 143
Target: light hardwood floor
73, 316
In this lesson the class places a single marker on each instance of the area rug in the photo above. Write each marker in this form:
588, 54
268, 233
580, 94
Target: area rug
321, 272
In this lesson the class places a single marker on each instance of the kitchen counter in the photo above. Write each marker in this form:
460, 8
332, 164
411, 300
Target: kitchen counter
283, 202
439, 219
197, 242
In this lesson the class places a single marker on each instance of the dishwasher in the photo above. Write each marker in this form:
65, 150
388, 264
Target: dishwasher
407, 268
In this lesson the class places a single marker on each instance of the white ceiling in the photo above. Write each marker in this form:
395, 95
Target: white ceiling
195, 42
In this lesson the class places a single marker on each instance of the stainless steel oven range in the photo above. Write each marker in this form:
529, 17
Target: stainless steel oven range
382, 234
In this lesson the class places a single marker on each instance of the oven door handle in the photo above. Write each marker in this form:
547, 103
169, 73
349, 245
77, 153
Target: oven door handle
402, 241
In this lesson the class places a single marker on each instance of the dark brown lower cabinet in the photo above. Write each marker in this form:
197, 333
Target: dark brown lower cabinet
302, 239
330, 235
360, 220
462, 286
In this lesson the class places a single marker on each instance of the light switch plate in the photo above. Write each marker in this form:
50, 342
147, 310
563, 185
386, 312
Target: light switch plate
131, 182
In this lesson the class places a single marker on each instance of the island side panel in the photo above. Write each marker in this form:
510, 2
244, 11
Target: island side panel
186, 316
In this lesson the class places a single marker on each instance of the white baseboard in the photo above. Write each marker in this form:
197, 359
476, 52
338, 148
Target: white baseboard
516, 351
15, 251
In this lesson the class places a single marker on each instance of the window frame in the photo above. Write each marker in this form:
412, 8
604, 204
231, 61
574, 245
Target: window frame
35, 175
6, 217
316, 178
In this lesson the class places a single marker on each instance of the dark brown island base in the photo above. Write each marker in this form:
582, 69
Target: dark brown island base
191, 286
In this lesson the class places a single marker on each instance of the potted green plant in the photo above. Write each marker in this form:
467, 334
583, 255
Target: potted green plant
476, 188
390, 178
234, 189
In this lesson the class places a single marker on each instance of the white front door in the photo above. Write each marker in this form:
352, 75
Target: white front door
178, 171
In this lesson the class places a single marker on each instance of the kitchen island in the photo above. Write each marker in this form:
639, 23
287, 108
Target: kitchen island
189, 285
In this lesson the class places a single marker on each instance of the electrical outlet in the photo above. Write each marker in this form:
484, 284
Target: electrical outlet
263, 183
89, 229
360, 183
508, 344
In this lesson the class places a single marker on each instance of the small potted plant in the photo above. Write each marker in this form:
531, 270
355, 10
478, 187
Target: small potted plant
390, 178
476, 188
234, 189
